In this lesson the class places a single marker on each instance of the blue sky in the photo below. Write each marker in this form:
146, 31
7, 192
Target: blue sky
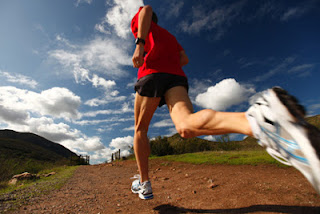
66, 72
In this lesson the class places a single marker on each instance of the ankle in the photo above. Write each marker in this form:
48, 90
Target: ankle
144, 180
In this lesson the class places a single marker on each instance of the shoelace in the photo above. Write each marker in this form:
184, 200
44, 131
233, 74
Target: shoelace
279, 157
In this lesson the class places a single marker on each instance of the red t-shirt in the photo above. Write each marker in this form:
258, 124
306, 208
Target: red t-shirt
162, 48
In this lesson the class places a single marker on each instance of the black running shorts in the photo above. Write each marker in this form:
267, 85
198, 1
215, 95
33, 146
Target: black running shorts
157, 84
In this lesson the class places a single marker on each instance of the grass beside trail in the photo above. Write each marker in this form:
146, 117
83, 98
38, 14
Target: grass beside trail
14, 196
224, 157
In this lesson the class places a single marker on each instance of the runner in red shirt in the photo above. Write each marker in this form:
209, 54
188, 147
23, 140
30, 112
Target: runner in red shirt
276, 119
161, 80
161, 48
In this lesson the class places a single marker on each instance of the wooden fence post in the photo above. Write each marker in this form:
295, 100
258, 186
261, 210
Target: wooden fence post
115, 156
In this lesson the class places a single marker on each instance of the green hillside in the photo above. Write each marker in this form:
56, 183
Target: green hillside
314, 120
177, 145
21, 152
31, 145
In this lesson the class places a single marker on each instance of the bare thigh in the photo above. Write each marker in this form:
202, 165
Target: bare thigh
144, 109
178, 103
204, 122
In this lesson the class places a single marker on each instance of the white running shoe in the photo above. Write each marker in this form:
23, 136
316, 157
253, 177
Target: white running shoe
143, 189
277, 121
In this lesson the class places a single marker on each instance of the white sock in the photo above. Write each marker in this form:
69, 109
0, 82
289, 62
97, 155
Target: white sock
254, 126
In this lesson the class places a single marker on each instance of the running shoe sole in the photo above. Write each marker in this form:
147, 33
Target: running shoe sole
143, 196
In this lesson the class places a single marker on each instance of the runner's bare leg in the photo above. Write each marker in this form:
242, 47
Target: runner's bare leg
144, 109
204, 122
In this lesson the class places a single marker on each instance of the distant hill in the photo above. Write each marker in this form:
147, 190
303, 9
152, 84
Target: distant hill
20, 152
223, 143
32, 143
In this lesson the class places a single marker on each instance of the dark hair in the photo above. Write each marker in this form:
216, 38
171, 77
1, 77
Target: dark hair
154, 18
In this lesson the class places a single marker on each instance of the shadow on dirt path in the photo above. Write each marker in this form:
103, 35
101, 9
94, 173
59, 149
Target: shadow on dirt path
170, 209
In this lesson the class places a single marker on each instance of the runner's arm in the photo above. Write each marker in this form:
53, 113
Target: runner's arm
183, 58
145, 17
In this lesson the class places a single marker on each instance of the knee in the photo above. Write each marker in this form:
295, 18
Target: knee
141, 129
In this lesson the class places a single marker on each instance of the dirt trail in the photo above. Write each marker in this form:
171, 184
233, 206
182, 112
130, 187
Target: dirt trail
182, 188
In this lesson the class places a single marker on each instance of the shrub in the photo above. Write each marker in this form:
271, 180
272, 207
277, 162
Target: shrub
160, 146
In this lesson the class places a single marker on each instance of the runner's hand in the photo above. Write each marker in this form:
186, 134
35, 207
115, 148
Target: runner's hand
137, 58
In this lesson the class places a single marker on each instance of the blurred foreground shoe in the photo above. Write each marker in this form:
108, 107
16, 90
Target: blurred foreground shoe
277, 121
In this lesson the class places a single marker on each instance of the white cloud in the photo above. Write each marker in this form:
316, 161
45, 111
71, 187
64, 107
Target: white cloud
106, 53
302, 70
295, 12
64, 41
125, 109
198, 87
313, 108
283, 66
95, 113
28, 111
100, 55
83, 1
97, 151
98, 81
131, 128
46, 127
13, 116
132, 83
87, 144
163, 123
103, 55
61, 133
290, 13
224, 138
122, 143
219, 19
210, 138
174, 9
278, 11
101, 155
101, 28
19, 78
59, 102
224, 94
267, 8
170, 132
109, 120
119, 17
55, 102
108, 98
